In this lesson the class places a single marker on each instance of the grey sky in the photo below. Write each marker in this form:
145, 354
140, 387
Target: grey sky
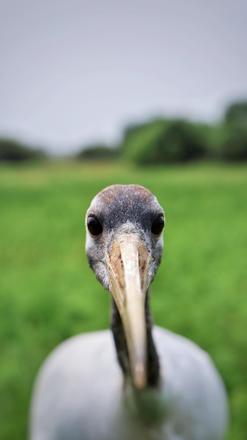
74, 72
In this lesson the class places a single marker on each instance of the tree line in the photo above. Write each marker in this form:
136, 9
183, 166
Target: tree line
162, 141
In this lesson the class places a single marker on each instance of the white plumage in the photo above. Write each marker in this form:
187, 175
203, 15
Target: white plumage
80, 393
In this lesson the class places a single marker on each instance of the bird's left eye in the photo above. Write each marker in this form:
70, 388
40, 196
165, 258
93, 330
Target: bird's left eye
94, 226
157, 225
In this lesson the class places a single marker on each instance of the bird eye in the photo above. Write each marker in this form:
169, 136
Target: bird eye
157, 225
94, 226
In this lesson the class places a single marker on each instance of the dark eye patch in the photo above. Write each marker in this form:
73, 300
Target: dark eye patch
157, 225
94, 226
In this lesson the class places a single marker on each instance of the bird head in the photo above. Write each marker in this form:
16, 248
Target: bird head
124, 245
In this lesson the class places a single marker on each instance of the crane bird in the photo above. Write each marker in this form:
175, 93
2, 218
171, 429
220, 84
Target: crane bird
146, 382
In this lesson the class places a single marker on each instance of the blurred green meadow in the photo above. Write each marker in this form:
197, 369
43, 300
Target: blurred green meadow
48, 293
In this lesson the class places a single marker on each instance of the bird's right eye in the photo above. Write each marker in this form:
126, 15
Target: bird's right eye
158, 225
94, 226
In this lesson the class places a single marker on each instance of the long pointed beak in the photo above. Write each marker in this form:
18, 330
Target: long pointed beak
128, 262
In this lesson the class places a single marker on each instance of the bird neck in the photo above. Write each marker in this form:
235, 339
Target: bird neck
153, 370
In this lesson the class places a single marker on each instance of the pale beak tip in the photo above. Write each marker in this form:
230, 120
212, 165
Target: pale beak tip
139, 376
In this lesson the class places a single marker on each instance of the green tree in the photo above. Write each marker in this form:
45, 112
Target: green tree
234, 142
165, 141
97, 152
14, 151
236, 113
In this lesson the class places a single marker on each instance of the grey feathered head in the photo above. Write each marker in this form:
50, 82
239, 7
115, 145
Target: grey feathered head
123, 209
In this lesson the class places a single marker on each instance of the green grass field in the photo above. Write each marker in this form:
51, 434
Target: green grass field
48, 293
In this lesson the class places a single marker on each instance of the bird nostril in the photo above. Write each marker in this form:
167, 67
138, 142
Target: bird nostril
117, 264
142, 265
144, 258
120, 262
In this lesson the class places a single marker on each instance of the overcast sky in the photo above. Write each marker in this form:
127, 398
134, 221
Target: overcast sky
75, 72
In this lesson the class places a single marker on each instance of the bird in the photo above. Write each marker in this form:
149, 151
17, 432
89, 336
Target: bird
135, 380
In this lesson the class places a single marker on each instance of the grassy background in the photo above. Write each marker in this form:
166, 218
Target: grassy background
47, 292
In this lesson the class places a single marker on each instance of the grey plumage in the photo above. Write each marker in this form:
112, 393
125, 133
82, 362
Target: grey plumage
82, 394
